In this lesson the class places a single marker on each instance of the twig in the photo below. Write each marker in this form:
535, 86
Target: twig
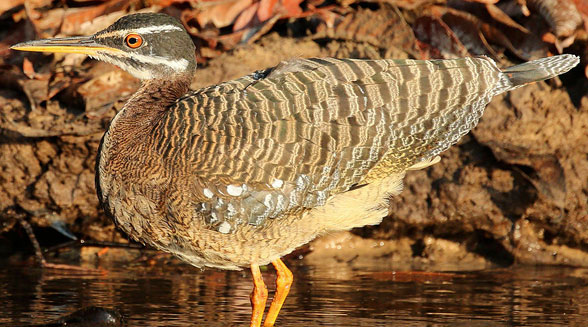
39, 254
29, 230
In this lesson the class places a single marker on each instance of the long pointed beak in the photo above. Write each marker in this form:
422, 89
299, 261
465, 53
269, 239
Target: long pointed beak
76, 44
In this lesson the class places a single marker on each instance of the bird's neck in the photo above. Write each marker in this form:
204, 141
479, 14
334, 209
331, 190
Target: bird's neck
146, 106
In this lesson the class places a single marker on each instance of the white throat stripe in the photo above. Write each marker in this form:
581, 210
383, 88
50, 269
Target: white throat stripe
177, 64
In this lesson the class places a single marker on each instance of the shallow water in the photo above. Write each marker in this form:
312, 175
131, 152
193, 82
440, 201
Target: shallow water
321, 296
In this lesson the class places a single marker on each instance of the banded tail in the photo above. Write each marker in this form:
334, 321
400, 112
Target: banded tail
540, 69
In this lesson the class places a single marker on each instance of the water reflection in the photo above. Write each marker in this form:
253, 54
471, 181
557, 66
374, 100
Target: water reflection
183, 296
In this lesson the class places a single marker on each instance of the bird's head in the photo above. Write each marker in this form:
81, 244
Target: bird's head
147, 45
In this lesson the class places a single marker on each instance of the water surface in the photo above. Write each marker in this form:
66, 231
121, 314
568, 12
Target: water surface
321, 296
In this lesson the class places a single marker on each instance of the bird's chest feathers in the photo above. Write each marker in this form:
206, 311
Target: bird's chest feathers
131, 181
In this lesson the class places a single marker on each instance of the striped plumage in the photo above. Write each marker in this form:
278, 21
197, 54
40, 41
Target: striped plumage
315, 127
241, 173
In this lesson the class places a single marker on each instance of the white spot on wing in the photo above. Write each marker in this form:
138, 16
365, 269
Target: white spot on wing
208, 193
267, 201
234, 190
281, 205
277, 183
224, 227
302, 181
231, 209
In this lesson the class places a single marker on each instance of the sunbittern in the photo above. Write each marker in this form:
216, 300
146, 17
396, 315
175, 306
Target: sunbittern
241, 173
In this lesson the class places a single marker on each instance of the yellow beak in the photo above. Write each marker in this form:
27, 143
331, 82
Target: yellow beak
77, 44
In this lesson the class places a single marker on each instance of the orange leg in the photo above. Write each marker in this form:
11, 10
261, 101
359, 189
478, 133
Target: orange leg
283, 283
258, 297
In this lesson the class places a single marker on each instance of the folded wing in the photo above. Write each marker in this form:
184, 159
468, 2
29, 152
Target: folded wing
288, 138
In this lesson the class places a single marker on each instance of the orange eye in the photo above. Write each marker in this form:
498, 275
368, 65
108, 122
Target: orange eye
133, 41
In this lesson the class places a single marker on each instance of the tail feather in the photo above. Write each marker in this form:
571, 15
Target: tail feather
541, 69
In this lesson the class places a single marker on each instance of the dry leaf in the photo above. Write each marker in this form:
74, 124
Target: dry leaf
222, 14
229, 41
475, 33
75, 17
524, 8
266, 9
562, 15
6, 5
406, 4
46, 24
253, 34
530, 44
38, 3
165, 3
384, 28
246, 17
292, 7
487, 2
100, 22
499, 15
27, 68
433, 31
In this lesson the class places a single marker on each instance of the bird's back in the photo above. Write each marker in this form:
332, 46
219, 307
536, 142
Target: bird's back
288, 138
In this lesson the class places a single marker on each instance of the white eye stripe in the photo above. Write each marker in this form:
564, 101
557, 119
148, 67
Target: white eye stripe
142, 31
156, 29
